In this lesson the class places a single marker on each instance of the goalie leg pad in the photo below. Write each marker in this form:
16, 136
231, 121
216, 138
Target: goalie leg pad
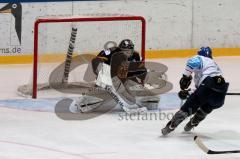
150, 102
104, 76
85, 104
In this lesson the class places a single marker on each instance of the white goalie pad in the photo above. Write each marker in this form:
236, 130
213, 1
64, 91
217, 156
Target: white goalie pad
104, 76
85, 104
150, 102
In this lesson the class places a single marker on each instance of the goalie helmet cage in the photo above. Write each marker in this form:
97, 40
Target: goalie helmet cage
112, 21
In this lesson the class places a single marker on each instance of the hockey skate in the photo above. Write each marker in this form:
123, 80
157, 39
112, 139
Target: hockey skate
197, 118
167, 129
176, 120
190, 125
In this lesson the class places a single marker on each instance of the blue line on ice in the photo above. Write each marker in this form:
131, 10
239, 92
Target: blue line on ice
167, 102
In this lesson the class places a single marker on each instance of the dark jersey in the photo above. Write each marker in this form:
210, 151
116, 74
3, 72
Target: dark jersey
106, 55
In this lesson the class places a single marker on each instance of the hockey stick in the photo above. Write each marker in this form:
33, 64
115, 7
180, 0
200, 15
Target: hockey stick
200, 144
233, 93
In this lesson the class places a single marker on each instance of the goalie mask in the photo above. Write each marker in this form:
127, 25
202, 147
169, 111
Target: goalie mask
127, 47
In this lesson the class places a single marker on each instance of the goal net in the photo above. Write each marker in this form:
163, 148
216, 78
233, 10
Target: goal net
64, 47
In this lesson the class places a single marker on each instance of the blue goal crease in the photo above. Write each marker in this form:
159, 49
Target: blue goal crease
168, 101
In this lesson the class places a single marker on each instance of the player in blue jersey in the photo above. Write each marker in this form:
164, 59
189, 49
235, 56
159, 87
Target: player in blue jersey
210, 92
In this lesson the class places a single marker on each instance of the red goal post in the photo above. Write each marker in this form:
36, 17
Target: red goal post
41, 21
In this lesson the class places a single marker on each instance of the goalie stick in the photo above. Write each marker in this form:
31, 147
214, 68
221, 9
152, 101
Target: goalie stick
200, 144
68, 60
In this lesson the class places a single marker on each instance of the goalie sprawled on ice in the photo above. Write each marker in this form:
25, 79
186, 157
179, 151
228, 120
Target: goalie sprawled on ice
123, 76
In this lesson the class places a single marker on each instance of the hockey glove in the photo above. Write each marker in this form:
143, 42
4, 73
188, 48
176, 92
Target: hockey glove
183, 94
185, 82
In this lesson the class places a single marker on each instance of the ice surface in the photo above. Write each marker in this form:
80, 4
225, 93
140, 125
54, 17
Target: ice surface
28, 133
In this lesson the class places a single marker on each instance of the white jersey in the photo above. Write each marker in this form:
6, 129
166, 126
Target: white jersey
202, 67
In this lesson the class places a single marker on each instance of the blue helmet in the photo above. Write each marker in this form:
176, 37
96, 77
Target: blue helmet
206, 52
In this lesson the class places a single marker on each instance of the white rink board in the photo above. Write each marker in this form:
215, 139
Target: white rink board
171, 24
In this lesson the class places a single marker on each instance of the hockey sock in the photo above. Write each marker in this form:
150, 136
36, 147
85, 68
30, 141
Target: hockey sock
178, 118
197, 118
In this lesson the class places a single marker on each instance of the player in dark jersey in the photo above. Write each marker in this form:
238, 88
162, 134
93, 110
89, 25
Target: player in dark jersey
126, 49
